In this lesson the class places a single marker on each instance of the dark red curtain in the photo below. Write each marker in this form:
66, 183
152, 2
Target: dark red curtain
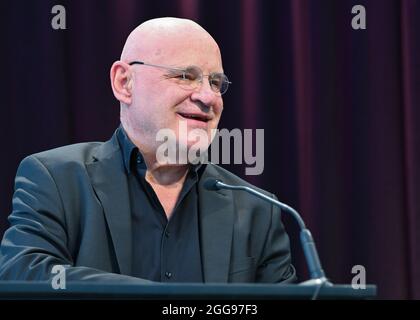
339, 108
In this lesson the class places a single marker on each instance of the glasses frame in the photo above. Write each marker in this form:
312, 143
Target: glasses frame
184, 70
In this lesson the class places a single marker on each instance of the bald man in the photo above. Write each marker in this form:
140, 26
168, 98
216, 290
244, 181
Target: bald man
113, 212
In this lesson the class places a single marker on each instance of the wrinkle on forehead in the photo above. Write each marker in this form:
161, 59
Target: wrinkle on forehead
160, 38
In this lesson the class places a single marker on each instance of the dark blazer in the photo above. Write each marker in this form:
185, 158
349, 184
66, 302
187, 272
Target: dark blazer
71, 207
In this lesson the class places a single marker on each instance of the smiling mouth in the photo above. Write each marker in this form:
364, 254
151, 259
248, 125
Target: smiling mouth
197, 117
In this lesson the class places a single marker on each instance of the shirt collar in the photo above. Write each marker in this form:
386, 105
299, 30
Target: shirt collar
128, 149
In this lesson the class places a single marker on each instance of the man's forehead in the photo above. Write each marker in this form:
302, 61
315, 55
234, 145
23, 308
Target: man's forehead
185, 52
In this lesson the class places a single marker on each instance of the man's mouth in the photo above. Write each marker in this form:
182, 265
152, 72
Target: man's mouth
195, 116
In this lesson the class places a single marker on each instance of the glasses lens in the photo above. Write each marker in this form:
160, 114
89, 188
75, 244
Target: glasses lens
190, 78
219, 82
192, 73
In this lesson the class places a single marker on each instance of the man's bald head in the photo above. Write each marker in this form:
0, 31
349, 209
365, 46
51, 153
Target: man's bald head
158, 38
152, 98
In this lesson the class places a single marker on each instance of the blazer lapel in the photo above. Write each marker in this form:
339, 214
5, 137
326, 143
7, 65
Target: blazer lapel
216, 229
110, 184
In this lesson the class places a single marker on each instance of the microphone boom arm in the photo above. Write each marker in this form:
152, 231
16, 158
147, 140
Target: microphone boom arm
316, 272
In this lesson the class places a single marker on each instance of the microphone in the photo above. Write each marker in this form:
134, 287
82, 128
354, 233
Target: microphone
313, 263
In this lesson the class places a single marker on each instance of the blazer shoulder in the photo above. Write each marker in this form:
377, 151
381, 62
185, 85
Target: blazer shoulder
68, 161
79, 153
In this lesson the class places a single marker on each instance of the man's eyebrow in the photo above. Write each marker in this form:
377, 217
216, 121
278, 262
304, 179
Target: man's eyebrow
185, 68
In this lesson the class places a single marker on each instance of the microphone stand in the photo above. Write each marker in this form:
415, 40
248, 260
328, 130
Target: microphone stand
317, 274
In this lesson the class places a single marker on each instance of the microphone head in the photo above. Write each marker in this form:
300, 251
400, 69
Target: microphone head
211, 184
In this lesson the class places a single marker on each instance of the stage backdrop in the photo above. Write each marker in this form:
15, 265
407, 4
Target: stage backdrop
339, 107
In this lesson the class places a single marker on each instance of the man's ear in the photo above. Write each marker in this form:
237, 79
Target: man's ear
121, 81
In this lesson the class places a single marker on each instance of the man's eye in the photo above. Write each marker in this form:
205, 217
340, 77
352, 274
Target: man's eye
183, 76
216, 81
189, 76
175, 75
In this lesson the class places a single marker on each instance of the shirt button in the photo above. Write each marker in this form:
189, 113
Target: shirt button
168, 274
167, 234
138, 160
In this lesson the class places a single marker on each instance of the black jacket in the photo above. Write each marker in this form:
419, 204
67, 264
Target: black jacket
71, 207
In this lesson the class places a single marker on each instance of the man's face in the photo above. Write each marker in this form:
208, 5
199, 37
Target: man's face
160, 101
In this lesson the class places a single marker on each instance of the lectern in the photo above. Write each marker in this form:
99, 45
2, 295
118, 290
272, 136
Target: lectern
96, 290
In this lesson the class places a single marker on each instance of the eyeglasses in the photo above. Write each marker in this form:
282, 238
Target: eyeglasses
191, 77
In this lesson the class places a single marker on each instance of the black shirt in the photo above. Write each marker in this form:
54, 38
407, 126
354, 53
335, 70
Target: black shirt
163, 250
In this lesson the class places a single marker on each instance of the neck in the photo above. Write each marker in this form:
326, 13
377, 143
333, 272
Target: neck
163, 174
169, 175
